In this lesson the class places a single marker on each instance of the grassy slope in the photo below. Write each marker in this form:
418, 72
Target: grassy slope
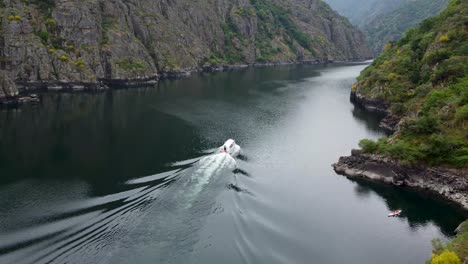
424, 79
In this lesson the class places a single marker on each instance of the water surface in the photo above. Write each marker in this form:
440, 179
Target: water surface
130, 176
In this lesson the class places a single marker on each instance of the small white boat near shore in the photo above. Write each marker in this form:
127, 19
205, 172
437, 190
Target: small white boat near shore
395, 213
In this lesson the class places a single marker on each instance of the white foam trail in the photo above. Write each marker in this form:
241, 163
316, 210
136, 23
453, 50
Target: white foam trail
207, 168
152, 177
184, 162
209, 151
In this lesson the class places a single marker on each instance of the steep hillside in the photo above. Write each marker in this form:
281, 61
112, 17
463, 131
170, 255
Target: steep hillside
361, 12
386, 20
391, 25
76, 41
423, 79
421, 84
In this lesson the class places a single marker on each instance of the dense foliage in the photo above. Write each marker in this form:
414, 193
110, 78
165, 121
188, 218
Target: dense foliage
454, 252
424, 79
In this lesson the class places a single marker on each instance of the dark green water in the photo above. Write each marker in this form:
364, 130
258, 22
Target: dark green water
129, 176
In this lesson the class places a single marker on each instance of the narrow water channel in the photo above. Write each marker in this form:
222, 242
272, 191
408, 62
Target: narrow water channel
131, 176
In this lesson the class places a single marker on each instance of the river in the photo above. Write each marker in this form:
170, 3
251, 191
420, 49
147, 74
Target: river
131, 175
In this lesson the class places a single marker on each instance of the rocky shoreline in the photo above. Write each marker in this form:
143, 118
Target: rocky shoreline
451, 184
448, 183
24, 90
389, 123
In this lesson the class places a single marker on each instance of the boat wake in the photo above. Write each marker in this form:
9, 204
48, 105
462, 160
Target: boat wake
153, 210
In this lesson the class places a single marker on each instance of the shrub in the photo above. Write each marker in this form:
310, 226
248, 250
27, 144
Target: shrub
391, 75
368, 146
398, 108
461, 159
462, 114
444, 38
44, 35
446, 257
436, 99
80, 63
63, 58
50, 22
404, 151
451, 69
11, 18
17, 17
52, 50
438, 55
440, 148
422, 126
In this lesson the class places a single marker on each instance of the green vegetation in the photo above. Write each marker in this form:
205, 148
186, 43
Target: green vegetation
386, 20
131, 65
281, 19
278, 34
79, 63
15, 17
446, 257
424, 79
232, 54
454, 252
44, 35
391, 26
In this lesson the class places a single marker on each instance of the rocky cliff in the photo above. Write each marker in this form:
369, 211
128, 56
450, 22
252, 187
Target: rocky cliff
47, 43
449, 183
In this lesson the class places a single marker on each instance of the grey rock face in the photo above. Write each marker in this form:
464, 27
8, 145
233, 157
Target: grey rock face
448, 183
97, 40
7, 86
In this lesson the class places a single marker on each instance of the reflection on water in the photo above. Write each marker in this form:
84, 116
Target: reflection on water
419, 208
104, 139
371, 120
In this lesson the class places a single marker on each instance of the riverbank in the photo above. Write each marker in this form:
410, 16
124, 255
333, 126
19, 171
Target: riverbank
448, 183
22, 92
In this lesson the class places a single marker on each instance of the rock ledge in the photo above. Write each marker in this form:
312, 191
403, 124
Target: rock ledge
448, 183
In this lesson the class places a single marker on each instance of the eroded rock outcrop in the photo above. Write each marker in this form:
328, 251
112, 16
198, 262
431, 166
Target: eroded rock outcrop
449, 183
91, 42
7, 87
